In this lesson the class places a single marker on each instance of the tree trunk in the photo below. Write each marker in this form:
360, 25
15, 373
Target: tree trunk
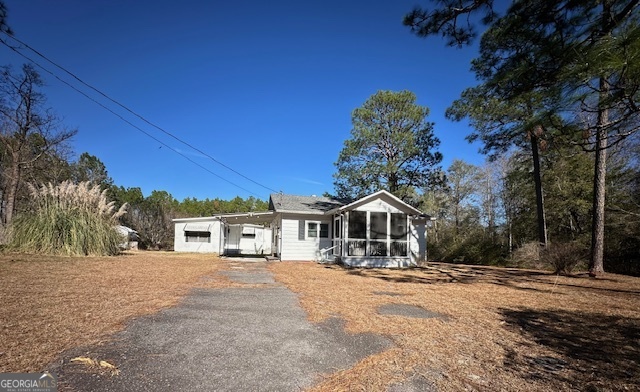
510, 239
392, 183
596, 265
537, 177
456, 213
435, 227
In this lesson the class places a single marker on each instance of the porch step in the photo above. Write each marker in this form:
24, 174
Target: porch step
331, 259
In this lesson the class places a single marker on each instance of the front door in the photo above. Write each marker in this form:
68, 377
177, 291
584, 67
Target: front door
232, 245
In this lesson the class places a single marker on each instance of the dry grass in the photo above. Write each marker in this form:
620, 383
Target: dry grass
50, 304
516, 330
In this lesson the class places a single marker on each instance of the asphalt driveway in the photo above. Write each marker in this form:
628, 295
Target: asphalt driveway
233, 339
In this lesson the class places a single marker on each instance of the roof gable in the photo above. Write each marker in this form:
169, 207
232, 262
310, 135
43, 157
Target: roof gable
383, 195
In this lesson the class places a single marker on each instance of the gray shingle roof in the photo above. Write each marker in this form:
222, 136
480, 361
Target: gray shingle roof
306, 204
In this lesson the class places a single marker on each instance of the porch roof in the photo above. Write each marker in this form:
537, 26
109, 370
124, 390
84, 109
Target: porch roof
247, 217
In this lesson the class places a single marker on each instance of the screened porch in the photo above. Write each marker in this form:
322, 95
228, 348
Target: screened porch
371, 234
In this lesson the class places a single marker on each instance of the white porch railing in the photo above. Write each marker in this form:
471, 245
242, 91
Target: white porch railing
325, 257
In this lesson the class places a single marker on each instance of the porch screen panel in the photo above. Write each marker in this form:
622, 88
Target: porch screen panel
357, 244
399, 231
358, 224
399, 227
399, 248
378, 234
378, 226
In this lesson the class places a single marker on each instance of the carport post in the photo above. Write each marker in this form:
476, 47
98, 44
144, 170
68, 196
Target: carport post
222, 237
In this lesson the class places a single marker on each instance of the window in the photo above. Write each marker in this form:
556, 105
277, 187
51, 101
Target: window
324, 230
197, 236
317, 229
248, 232
312, 230
357, 224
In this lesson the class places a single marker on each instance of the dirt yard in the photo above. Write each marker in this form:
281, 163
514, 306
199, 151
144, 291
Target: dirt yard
487, 329
50, 304
459, 328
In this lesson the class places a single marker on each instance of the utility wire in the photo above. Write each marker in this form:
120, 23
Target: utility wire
136, 114
124, 119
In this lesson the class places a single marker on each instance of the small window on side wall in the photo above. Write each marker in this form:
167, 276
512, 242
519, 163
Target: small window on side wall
248, 232
197, 236
312, 230
324, 230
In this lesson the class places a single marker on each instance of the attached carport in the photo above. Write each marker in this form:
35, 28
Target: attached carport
243, 231
239, 233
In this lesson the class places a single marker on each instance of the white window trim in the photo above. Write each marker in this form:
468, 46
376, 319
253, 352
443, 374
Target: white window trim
317, 237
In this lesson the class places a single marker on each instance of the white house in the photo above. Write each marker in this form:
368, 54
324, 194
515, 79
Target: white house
378, 230
220, 234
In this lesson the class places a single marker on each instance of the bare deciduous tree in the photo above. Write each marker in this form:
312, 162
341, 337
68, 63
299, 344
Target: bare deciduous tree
28, 131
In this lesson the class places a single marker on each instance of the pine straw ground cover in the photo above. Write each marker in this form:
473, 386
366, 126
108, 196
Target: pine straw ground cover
501, 329
50, 304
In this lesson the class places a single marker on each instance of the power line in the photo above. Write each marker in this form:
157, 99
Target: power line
124, 119
133, 112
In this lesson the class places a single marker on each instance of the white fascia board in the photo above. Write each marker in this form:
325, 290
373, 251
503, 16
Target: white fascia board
373, 196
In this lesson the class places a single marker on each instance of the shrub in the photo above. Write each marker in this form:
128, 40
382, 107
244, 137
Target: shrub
527, 256
472, 247
68, 219
564, 257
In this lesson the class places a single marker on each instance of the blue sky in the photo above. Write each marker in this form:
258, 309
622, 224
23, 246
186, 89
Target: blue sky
267, 88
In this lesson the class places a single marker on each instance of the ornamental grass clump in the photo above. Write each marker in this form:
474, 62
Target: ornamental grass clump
68, 219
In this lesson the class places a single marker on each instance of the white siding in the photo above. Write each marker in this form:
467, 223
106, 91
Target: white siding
378, 262
295, 245
379, 205
260, 245
181, 245
237, 244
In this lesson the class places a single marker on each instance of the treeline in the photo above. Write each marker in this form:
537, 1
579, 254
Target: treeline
557, 74
488, 214
151, 216
35, 150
